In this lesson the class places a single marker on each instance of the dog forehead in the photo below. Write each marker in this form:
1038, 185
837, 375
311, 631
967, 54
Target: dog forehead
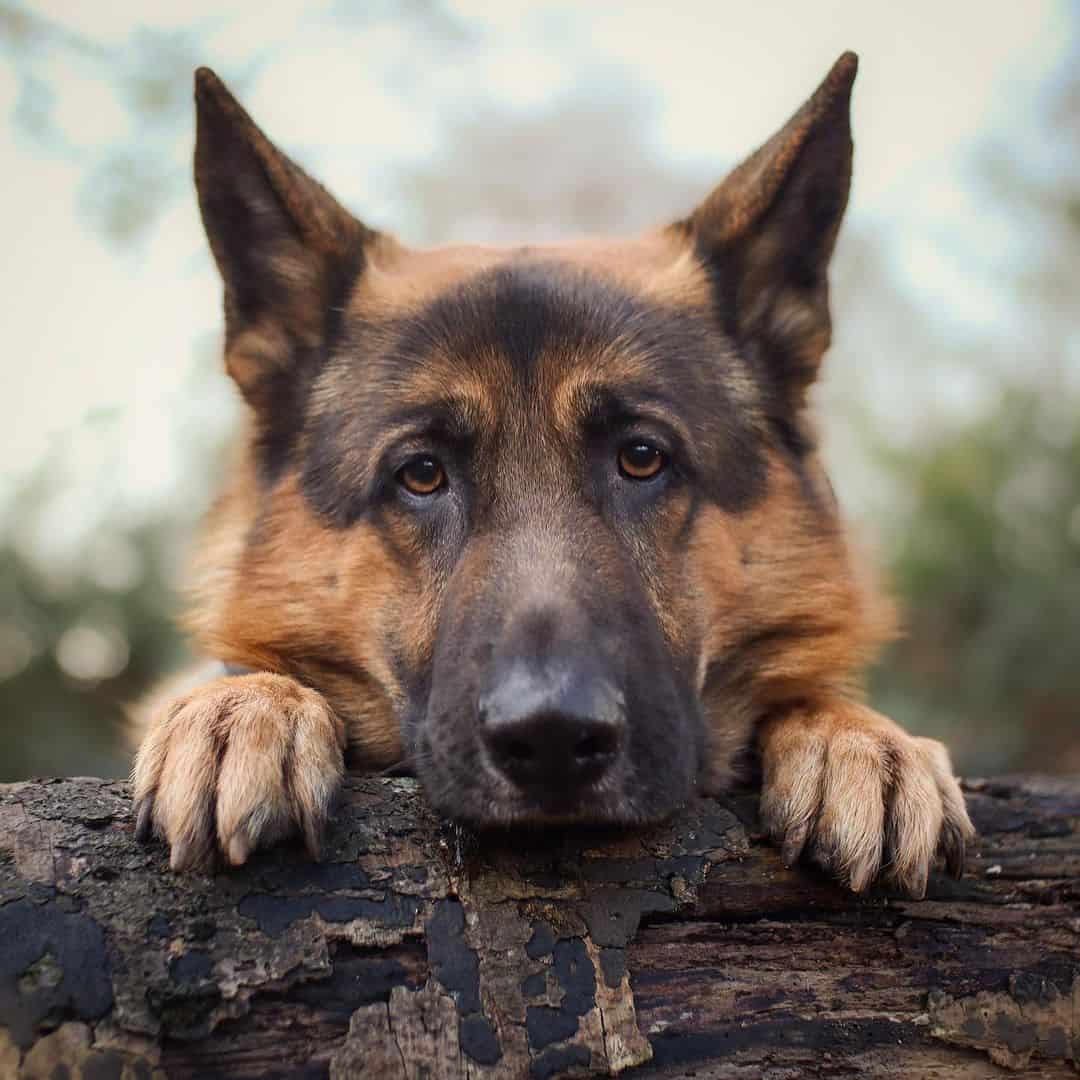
527, 320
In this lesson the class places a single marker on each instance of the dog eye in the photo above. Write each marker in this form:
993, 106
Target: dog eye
640, 460
422, 475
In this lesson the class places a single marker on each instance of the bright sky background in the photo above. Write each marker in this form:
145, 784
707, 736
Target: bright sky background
88, 328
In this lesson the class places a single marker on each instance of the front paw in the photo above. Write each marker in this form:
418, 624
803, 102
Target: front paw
861, 797
235, 765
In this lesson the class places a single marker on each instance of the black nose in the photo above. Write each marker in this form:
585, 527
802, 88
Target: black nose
552, 732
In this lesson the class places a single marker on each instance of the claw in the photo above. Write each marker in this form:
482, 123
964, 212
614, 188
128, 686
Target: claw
144, 818
239, 850
181, 855
312, 830
863, 877
794, 842
915, 886
955, 852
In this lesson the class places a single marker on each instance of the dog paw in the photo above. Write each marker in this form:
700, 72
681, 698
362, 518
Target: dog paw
861, 797
235, 765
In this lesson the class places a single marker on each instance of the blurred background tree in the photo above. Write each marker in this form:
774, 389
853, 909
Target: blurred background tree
955, 443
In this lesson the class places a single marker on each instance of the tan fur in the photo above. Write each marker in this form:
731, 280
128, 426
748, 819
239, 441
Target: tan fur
784, 566
859, 794
399, 279
270, 600
239, 763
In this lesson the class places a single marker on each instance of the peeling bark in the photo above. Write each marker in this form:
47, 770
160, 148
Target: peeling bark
415, 949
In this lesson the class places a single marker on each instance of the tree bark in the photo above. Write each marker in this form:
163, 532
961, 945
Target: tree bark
415, 949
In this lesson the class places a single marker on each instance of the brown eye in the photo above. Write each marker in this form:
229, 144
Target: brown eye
640, 460
422, 476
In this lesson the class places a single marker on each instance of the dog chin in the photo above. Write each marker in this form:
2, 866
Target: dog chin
510, 810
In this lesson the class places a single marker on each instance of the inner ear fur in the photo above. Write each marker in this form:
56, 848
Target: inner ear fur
766, 235
287, 251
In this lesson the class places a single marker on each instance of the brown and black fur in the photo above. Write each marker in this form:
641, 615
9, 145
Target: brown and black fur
687, 617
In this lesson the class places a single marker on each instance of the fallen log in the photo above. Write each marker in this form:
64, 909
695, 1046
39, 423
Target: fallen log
415, 949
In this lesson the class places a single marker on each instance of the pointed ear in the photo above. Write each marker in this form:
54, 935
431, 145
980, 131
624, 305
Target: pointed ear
767, 232
287, 251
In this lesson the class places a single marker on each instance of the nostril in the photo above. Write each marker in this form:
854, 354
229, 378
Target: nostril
518, 751
595, 746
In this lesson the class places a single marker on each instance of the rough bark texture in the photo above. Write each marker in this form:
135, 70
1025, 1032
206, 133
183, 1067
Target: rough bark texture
415, 950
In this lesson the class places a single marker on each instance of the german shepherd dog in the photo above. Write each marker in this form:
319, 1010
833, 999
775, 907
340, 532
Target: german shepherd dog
547, 526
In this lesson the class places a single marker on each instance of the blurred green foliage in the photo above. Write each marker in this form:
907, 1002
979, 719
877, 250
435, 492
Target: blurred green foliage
988, 570
76, 653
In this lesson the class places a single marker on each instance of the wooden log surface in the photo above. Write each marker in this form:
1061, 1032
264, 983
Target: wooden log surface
415, 949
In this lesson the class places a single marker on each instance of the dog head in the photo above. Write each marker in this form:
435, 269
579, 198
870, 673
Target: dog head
545, 523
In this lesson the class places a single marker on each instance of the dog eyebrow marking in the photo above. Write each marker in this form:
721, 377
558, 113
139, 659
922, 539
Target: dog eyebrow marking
452, 416
584, 398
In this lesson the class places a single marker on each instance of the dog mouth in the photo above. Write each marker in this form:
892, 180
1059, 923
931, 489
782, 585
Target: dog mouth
556, 808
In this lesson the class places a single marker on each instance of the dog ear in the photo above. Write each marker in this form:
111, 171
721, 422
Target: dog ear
767, 232
287, 251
